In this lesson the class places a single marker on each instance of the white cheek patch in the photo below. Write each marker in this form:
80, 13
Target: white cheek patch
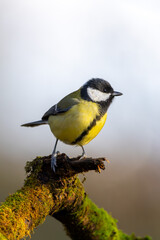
96, 95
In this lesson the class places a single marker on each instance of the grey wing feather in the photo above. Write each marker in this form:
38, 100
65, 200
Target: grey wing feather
54, 111
63, 106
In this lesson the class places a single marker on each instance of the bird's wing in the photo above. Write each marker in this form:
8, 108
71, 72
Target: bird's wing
64, 105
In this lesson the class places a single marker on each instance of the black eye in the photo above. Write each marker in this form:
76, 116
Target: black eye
107, 89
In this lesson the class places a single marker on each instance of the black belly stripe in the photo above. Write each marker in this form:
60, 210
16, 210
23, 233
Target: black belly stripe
85, 132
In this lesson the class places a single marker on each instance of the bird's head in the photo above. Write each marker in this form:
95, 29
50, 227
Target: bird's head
98, 90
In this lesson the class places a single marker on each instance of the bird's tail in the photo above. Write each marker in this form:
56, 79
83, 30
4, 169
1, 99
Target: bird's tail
34, 124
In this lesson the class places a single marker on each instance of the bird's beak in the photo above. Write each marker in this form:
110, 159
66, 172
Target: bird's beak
116, 94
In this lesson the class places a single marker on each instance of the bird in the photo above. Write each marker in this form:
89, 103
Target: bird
79, 116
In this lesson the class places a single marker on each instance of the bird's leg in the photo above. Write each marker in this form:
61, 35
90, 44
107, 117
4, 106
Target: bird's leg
53, 157
83, 153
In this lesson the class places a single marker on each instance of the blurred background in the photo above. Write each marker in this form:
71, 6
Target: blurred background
50, 48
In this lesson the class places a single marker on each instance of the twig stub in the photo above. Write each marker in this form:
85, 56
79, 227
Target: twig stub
66, 167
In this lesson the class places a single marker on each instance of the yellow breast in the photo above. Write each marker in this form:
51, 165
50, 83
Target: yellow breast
92, 133
78, 125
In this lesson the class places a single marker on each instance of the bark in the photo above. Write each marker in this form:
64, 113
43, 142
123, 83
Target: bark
62, 196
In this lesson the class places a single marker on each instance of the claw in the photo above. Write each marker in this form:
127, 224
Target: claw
54, 162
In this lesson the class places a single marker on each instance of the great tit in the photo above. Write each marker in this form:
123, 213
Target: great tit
79, 116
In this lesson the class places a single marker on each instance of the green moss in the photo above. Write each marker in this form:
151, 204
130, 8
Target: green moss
103, 225
123, 236
28, 207
66, 197
2, 237
32, 170
106, 225
24, 210
91, 222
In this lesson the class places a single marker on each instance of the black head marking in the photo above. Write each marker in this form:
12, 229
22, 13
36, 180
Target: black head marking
101, 85
98, 84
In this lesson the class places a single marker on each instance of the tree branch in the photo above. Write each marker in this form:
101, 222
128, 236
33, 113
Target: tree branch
60, 195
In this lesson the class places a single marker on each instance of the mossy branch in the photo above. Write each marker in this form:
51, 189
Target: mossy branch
62, 196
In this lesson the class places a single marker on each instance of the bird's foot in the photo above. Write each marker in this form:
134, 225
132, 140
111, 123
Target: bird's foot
54, 161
